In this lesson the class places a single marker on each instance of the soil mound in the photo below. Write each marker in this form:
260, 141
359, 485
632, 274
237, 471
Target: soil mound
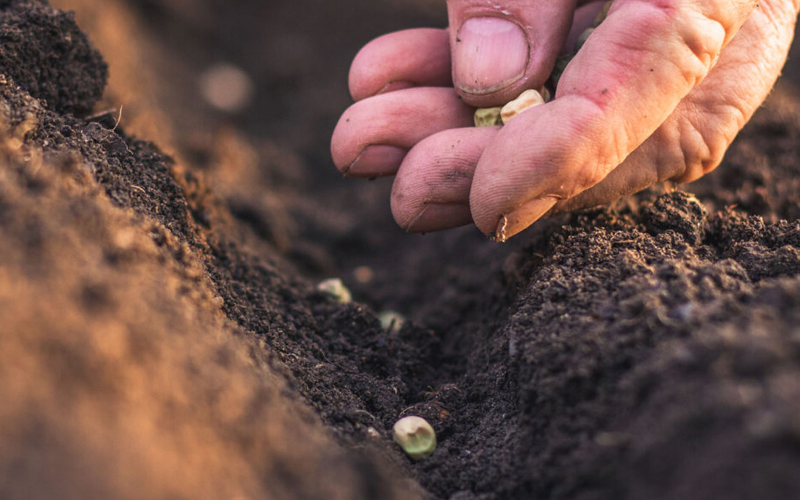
44, 52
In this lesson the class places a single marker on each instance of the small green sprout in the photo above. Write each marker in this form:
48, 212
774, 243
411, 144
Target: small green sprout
416, 436
335, 290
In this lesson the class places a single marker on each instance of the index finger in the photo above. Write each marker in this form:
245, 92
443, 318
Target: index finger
625, 81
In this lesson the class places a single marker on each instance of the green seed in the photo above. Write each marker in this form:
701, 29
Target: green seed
561, 65
601, 16
487, 117
416, 436
546, 95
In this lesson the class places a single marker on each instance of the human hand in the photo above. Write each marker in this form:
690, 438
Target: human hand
658, 92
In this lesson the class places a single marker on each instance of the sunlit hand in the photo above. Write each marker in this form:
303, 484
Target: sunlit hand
658, 92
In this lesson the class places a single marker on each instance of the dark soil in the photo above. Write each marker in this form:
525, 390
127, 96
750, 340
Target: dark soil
61, 67
163, 336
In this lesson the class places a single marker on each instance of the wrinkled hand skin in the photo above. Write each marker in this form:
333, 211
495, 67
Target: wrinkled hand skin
658, 92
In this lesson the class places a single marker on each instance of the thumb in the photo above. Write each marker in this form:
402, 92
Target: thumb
503, 47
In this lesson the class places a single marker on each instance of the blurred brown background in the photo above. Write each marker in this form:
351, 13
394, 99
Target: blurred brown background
295, 54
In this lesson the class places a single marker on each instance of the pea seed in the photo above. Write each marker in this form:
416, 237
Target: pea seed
525, 101
335, 290
601, 16
487, 117
391, 321
416, 436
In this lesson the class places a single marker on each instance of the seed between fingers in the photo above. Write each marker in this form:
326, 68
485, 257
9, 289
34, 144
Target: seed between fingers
487, 117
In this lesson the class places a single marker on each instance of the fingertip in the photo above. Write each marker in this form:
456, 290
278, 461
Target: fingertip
434, 217
542, 154
404, 59
500, 227
490, 54
523, 217
395, 86
432, 188
498, 55
342, 151
376, 160
398, 119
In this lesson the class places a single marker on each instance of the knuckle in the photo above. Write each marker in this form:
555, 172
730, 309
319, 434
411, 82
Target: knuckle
588, 178
670, 160
704, 139
781, 14
702, 38
694, 31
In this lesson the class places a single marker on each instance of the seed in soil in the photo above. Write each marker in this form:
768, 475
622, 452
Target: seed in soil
335, 290
416, 436
391, 321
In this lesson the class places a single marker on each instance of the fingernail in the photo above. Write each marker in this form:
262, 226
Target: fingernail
393, 86
438, 216
517, 220
375, 161
490, 54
